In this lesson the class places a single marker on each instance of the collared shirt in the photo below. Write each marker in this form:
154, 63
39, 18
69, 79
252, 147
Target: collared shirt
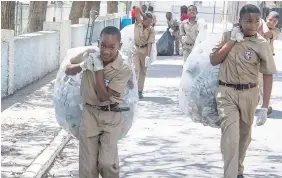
245, 60
190, 32
116, 75
143, 36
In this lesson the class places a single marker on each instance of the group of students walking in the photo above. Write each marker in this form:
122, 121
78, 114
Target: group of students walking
242, 53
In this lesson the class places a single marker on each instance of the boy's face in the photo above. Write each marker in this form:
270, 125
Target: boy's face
147, 22
109, 46
250, 23
271, 22
144, 8
168, 16
192, 12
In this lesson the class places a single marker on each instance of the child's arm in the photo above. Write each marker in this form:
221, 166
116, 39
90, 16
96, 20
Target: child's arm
115, 88
221, 49
267, 88
73, 69
219, 56
268, 68
103, 92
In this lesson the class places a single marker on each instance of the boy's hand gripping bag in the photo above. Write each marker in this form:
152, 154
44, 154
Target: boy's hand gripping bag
68, 101
198, 84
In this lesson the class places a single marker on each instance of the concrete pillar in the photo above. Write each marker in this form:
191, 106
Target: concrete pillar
64, 27
8, 37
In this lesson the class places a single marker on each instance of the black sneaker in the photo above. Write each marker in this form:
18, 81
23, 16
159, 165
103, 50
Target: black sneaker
141, 95
240, 176
269, 110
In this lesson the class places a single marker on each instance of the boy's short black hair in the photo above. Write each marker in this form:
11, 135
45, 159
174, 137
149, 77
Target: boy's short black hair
168, 13
249, 8
195, 7
144, 7
150, 8
147, 15
274, 14
111, 30
133, 7
184, 9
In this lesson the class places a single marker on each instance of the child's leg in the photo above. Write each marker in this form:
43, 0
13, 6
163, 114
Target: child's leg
88, 156
229, 116
247, 106
88, 144
108, 156
108, 160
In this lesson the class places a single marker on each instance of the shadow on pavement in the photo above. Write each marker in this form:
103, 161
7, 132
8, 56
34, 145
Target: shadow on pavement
163, 162
277, 77
24, 93
158, 100
276, 114
164, 71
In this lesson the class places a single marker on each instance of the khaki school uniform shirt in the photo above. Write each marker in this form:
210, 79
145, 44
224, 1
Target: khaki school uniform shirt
143, 36
190, 31
245, 60
116, 75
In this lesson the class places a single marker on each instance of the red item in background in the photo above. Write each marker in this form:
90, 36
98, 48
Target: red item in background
184, 17
133, 13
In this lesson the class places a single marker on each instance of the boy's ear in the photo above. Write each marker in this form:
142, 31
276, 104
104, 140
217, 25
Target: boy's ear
276, 22
120, 45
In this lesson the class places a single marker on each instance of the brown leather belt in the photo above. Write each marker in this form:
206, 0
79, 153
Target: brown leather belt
141, 46
111, 107
238, 86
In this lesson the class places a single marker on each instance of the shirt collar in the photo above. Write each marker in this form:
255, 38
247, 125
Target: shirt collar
117, 64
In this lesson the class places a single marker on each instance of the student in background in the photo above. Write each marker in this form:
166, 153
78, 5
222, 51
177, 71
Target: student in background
144, 8
184, 13
189, 32
173, 26
151, 10
133, 16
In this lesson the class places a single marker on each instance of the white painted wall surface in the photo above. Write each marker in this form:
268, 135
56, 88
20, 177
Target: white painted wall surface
36, 55
78, 35
4, 68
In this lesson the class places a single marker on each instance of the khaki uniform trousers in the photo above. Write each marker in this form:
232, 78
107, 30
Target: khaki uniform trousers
98, 136
139, 55
186, 52
176, 38
236, 109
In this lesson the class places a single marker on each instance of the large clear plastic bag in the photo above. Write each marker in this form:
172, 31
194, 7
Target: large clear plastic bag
198, 84
68, 100
127, 38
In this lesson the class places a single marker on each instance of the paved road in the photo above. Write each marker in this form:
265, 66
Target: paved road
165, 143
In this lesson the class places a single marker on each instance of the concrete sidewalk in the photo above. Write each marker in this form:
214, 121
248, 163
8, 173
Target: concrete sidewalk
28, 126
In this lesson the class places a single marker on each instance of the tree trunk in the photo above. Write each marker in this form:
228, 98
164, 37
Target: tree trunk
36, 16
112, 7
8, 15
76, 11
90, 5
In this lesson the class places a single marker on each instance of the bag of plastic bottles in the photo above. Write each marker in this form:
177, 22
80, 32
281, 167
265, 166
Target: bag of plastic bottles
68, 101
198, 84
